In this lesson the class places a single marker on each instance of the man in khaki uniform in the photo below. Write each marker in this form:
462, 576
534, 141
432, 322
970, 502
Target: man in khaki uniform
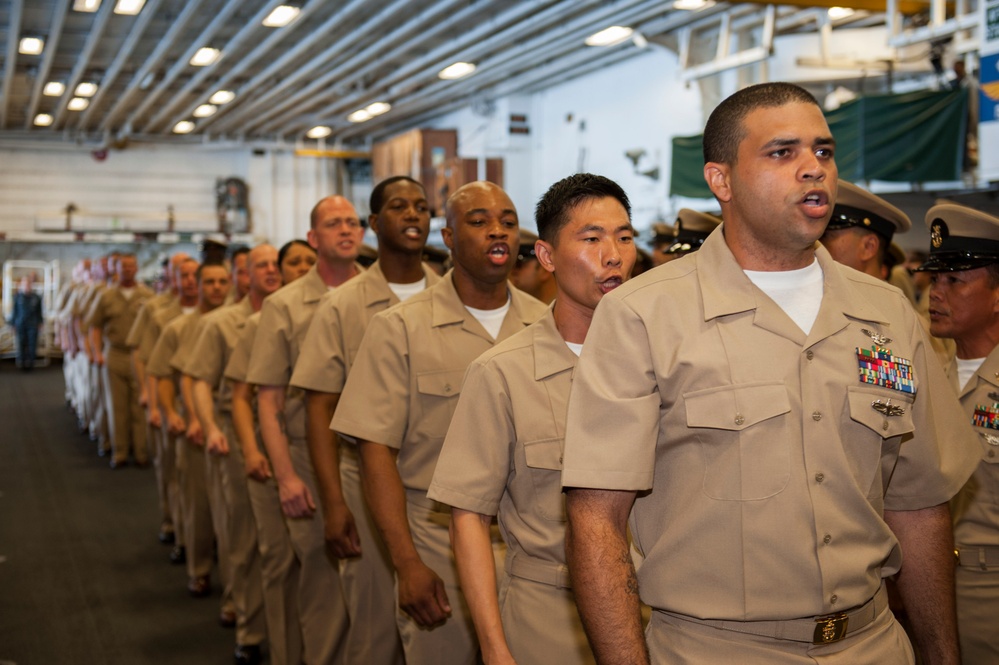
90, 387
397, 404
141, 339
336, 234
166, 364
784, 425
110, 320
216, 338
503, 447
964, 306
67, 336
401, 219
279, 567
690, 230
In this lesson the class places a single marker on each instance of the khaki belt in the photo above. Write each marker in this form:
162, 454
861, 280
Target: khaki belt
538, 570
818, 630
983, 558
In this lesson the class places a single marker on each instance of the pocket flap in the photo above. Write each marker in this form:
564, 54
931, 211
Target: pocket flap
445, 383
544, 454
862, 410
736, 407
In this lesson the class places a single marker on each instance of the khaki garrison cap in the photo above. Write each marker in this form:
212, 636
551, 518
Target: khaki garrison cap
961, 238
692, 228
856, 206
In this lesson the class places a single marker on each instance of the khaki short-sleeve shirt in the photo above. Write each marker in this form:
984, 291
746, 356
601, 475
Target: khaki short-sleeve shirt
975, 509
763, 459
338, 326
114, 314
214, 340
239, 361
503, 450
404, 386
161, 360
158, 320
142, 319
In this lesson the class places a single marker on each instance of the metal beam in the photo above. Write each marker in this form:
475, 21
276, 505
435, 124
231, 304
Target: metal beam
907, 7
83, 59
13, 38
51, 45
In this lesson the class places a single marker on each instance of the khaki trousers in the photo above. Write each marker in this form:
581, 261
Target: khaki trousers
279, 572
321, 607
244, 561
454, 641
542, 625
198, 529
978, 614
681, 642
368, 581
97, 391
165, 446
125, 415
220, 525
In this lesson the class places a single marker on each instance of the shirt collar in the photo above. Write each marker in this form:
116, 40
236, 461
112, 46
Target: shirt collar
551, 355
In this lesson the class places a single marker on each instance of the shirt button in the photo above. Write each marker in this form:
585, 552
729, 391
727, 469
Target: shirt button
809, 355
885, 426
819, 477
827, 539
447, 387
833, 598
739, 419
816, 416
992, 453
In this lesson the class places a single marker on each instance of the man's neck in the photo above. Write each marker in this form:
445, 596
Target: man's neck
979, 345
572, 320
188, 302
256, 299
477, 294
127, 285
204, 307
751, 254
401, 268
335, 273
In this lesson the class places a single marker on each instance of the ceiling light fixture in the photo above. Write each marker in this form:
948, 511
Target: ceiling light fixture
319, 132
86, 89
78, 104
378, 108
456, 71
43, 120
611, 36
692, 5
840, 12
205, 56
222, 97
129, 7
183, 127
31, 46
205, 110
53, 89
359, 116
86, 5
281, 16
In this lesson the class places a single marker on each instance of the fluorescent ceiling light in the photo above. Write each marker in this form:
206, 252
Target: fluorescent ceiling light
378, 108
183, 127
129, 7
30, 45
839, 12
86, 89
281, 16
222, 97
359, 116
53, 89
78, 104
692, 5
205, 56
456, 71
319, 132
205, 110
43, 120
609, 36
86, 5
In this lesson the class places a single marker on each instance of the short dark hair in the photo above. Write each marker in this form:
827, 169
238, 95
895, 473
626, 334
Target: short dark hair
993, 273
236, 250
377, 199
552, 211
285, 248
210, 264
724, 130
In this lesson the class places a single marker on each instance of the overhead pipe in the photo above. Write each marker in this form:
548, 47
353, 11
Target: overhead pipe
13, 37
247, 102
83, 59
51, 46
163, 45
142, 22
182, 62
261, 50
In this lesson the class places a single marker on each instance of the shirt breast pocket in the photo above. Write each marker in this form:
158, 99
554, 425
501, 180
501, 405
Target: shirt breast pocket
544, 462
438, 398
743, 431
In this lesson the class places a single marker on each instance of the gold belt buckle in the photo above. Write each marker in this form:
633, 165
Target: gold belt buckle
831, 628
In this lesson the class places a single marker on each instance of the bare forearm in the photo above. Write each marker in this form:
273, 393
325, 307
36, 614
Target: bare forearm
270, 410
926, 581
386, 498
165, 391
319, 408
201, 394
187, 397
473, 555
153, 391
242, 418
139, 368
603, 575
